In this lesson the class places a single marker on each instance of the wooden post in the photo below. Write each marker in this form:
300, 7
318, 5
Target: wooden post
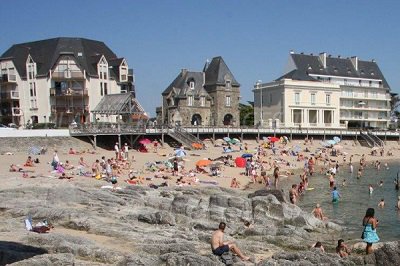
95, 141
119, 140
341, 135
258, 133
213, 134
198, 131
241, 134
162, 134
228, 131
291, 135
324, 134
307, 133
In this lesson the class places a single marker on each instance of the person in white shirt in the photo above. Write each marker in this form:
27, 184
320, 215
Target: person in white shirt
126, 151
116, 149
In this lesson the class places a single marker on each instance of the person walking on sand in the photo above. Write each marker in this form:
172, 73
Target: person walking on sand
126, 151
116, 150
369, 234
219, 247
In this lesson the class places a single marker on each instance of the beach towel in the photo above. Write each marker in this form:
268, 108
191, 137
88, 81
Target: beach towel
209, 182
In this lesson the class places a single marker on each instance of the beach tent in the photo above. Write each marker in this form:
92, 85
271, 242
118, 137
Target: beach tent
144, 141
273, 139
336, 139
240, 162
203, 163
180, 153
235, 141
227, 139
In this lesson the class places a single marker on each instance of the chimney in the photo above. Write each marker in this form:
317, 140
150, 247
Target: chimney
183, 71
322, 58
354, 61
291, 52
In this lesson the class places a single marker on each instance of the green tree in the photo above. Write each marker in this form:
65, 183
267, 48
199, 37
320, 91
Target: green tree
246, 114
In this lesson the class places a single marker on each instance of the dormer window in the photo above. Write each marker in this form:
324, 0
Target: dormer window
228, 84
191, 85
123, 72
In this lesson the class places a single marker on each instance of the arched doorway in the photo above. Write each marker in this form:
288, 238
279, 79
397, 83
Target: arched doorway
196, 120
228, 119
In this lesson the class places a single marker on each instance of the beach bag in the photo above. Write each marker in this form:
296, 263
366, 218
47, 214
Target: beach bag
227, 258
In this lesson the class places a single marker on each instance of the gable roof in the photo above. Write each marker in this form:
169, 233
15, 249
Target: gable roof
181, 84
340, 67
115, 104
45, 53
217, 72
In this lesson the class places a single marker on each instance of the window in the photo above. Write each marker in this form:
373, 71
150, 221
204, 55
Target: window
297, 97
105, 89
212, 100
312, 98
228, 85
32, 89
101, 89
328, 99
190, 100
191, 85
33, 103
203, 101
227, 100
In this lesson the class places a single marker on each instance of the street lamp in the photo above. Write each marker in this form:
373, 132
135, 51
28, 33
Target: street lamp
258, 83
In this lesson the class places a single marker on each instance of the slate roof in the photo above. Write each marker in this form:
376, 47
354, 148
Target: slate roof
46, 53
181, 84
217, 71
343, 67
113, 104
213, 73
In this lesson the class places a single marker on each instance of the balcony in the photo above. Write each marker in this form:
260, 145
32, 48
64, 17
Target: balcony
55, 92
16, 111
69, 109
8, 78
67, 74
10, 95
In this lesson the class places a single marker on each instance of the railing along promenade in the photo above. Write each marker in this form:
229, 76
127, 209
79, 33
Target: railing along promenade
127, 129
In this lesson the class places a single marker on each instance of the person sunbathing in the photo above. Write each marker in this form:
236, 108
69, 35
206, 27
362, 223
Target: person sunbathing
72, 151
82, 163
64, 176
235, 183
68, 166
15, 168
29, 162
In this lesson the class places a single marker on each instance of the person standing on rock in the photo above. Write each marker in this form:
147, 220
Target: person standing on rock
276, 176
219, 247
293, 194
369, 234
317, 212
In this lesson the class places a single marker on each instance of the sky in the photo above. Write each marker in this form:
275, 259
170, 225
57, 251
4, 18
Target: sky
159, 38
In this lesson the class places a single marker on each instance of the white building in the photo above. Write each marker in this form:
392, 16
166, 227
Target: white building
59, 80
324, 92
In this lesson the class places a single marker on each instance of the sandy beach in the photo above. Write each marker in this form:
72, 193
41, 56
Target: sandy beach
43, 176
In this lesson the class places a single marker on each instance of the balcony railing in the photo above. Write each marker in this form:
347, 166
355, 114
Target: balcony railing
16, 111
67, 75
69, 109
68, 92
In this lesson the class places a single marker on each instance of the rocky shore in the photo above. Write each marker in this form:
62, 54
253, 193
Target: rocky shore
144, 226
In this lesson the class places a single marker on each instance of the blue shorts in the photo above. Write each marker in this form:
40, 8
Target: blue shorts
221, 250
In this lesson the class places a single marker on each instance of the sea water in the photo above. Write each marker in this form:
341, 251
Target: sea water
356, 199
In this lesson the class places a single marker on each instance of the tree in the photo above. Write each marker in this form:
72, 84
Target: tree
246, 114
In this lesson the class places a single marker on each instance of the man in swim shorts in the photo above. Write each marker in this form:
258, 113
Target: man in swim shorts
218, 245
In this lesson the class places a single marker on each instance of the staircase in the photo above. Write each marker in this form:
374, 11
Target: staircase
184, 137
370, 140
377, 140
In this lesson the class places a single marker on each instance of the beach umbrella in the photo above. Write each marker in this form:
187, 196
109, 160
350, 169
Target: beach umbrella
144, 141
336, 139
273, 139
235, 141
202, 163
227, 139
240, 162
331, 142
247, 155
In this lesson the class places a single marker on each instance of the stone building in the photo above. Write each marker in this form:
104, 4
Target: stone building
207, 98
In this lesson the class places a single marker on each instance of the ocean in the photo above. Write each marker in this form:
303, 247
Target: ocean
355, 199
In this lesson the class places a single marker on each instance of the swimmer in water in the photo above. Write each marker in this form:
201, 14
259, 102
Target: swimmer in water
396, 182
344, 183
359, 173
335, 195
381, 183
381, 204
371, 189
